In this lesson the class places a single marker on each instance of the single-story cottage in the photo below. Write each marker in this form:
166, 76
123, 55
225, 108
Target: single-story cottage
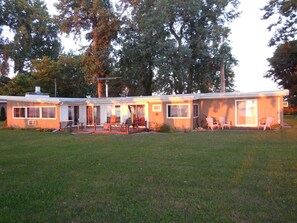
242, 109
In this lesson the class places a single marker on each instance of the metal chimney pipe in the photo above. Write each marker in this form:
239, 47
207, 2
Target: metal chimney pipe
37, 89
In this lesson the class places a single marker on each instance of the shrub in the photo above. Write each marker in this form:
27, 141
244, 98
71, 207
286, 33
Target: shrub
165, 128
291, 110
276, 127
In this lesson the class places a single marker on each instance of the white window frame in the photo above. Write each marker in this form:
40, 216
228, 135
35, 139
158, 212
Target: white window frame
178, 117
256, 113
157, 108
197, 115
40, 112
13, 114
27, 115
48, 107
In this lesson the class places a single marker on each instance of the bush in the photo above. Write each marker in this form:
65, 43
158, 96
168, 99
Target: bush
2, 114
165, 128
276, 127
291, 110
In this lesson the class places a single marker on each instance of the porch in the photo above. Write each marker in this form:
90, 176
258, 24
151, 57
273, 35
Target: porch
107, 128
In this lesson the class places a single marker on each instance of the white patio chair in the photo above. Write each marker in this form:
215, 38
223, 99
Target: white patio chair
211, 124
267, 124
223, 123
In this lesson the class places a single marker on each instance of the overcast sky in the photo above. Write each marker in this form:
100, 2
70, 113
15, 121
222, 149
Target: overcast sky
249, 41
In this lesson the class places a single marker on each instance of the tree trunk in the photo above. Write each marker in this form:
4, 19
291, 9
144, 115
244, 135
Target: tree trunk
100, 89
100, 85
222, 78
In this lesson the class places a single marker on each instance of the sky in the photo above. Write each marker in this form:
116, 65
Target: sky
249, 41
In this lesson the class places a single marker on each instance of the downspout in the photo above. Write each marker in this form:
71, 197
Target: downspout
278, 111
222, 77
147, 118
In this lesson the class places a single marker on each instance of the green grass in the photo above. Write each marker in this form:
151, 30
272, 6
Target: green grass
219, 176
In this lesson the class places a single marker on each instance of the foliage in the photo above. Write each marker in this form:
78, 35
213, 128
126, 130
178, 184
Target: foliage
164, 128
175, 46
18, 85
2, 114
35, 33
67, 73
286, 24
97, 19
276, 127
291, 110
4, 57
283, 68
3, 81
4, 66
221, 176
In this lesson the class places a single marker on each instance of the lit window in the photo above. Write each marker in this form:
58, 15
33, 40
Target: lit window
33, 112
246, 112
118, 110
178, 111
48, 112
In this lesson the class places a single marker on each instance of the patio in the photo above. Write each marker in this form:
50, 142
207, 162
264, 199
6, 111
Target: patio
107, 128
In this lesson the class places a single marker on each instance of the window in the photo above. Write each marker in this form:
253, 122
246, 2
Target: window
157, 108
118, 111
73, 114
19, 112
48, 112
33, 112
178, 111
246, 112
195, 110
136, 110
70, 112
108, 113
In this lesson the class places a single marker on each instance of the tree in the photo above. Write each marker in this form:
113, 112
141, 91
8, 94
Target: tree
283, 68
18, 85
142, 41
172, 46
97, 19
286, 24
66, 74
35, 33
4, 67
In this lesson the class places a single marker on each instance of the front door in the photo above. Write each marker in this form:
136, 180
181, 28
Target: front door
137, 114
93, 115
73, 114
90, 115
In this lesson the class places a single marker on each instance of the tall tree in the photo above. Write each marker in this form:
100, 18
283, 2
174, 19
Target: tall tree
96, 17
4, 66
63, 77
142, 40
286, 25
283, 68
35, 33
173, 45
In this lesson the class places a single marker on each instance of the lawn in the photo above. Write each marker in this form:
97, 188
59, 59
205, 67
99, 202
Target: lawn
219, 176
